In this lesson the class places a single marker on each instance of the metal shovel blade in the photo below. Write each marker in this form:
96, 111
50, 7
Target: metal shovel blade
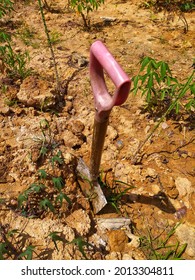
94, 192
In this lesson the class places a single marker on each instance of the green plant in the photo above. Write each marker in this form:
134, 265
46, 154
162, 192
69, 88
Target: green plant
84, 7
174, 105
27, 254
14, 63
161, 248
38, 195
12, 244
176, 7
80, 243
27, 35
6, 6
55, 37
55, 237
162, 90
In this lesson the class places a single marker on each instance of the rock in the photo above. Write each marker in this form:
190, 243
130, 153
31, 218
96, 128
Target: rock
77, 127
117, 240
112, 134
184, 186
36, 92
71, 140
4, 109
164, 125
172, 191
150, 172
80, 221
186, 234
78, 60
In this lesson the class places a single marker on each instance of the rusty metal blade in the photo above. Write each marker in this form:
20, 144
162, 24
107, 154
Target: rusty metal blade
93, 191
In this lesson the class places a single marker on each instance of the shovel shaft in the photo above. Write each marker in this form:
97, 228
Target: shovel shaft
99, 133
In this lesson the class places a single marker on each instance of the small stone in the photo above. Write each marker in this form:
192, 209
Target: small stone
112, 133
172, 191
119, 144
184, 186
71, 140
147, 129
117, 240
77, 127
80, 221
69, 98
4, 109
164, 125
186, 234
150, 172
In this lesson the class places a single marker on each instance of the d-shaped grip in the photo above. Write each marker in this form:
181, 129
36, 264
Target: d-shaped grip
101, 59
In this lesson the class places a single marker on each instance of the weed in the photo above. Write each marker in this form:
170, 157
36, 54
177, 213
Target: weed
47, 204
175, 105
84, 7
55, 37
40, 197
115, 193
161, 89
80, 243
47, 192
14, 63
6, 6
12, 242
55, 237
27, 35
57, 159
158, 248
27, 254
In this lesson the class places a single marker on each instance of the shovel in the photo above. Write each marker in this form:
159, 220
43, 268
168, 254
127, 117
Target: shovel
100, 60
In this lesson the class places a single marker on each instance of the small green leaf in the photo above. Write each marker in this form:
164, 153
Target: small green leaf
36, 188
61, 197
42, 173
27, 254
58, 183
57, 158
144, 62
45, 203
80, 243
12, 232
3, 250
150, 81
163, 70
21, 198
135, 81
56, 237
181, 250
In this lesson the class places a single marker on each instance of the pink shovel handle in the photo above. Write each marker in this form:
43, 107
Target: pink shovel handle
101, 59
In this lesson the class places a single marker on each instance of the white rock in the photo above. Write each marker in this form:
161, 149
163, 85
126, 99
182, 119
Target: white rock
186, 234
184, 186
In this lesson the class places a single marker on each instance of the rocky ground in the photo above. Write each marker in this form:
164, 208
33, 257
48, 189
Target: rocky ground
40, 130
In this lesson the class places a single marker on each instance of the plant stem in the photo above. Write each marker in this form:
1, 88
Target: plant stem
50, 46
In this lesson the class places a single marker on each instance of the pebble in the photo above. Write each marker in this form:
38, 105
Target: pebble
164, 125
119, 144
184, 186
